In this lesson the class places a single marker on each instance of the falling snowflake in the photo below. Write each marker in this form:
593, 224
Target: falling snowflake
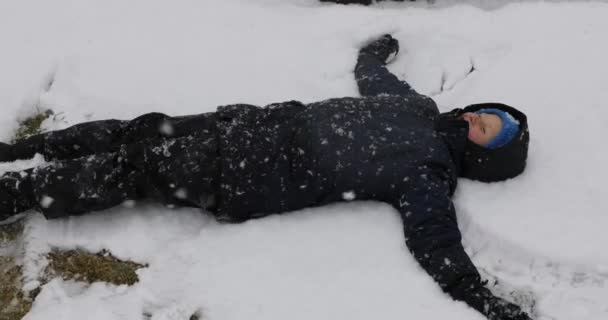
349, 195
46, 201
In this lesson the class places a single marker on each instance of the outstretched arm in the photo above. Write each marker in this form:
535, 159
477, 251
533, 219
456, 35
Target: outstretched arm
373, 78
433, 237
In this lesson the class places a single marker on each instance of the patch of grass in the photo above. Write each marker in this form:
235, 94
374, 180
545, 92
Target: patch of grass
14, 305
77, 265
10, 232
31, 125
88, 267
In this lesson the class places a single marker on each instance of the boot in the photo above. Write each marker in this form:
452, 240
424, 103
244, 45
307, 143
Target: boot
16, 193
6, 153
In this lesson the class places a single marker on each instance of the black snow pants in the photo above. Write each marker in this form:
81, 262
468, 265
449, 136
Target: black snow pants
364, 2
101, 164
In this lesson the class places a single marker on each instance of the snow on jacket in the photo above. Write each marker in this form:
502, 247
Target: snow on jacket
390, 145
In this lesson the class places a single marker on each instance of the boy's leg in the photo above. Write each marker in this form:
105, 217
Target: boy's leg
74, 142
15, 193
69, 187
365, 2
5, 152
104, 136
181, 171
77, 186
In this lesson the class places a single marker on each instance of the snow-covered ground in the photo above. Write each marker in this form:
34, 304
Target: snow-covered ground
543, 232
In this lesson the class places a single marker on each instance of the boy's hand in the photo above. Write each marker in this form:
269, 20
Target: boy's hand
382, 48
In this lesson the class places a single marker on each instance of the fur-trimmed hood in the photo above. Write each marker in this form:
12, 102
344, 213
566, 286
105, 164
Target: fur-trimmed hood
489, 165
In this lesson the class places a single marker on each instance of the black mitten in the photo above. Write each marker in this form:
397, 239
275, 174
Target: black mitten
382, 48
493, 307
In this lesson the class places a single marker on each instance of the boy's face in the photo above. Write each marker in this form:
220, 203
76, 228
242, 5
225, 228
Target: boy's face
483, 127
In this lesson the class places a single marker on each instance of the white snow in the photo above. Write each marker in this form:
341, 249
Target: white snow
542, 232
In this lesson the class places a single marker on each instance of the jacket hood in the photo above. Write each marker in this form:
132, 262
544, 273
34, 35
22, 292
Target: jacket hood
489, 165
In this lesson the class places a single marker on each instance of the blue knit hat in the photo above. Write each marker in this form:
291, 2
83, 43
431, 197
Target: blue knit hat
510, 127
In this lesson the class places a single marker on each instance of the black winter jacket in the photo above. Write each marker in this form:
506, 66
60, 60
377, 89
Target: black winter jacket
390, 145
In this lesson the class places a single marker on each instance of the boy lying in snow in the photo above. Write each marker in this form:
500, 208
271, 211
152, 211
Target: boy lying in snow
242, 162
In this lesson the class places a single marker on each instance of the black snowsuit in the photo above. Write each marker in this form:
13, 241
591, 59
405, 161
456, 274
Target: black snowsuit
243, 161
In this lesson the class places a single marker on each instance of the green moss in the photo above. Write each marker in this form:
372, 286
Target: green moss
75, 265
31, 125
88, 267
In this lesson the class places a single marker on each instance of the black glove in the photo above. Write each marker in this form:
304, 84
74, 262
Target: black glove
491, 306
382, 47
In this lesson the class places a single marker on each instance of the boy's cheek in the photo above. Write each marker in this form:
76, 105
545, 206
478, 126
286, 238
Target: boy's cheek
471, 134
474, 135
